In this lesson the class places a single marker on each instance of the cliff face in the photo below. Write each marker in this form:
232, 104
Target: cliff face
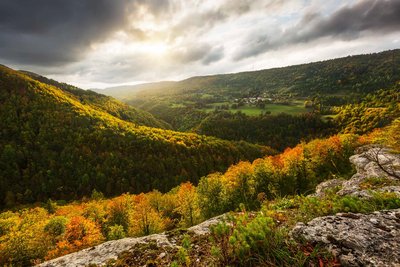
354, 239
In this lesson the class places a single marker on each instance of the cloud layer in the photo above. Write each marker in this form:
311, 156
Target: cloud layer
346, 23
102, 42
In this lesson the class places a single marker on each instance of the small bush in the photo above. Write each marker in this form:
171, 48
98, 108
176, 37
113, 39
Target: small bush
258, 242
56, 226
115, 232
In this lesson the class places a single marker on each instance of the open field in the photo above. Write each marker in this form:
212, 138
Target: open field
290, 109
251, 110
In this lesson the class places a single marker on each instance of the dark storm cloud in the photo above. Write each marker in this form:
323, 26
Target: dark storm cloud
349, 22
379, 15
55, 31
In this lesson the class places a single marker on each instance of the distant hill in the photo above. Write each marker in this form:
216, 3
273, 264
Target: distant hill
125, 92
63, 143
352, 74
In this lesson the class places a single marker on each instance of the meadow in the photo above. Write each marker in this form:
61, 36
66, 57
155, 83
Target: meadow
295, 108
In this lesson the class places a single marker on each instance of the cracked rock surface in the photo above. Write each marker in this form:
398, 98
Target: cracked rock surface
356, 239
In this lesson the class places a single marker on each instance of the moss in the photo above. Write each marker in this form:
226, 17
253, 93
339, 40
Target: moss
144, 254
378, 182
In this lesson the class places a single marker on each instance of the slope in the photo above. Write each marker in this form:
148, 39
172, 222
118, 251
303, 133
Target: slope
104, 103
54, 145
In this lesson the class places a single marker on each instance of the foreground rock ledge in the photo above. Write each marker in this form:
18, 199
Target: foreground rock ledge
102, 253
356, 239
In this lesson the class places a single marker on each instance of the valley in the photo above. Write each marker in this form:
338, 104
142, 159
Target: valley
79, 168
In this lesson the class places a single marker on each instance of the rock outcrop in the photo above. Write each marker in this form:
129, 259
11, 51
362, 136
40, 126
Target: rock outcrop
326, 186
101, 254
356, 239
360, 239
370, 162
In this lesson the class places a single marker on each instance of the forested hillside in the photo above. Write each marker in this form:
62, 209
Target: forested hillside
65, 150
375, 110
54, 143
279, 131
104, 103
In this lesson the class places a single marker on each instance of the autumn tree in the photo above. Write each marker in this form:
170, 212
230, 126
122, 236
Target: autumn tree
145, 219
187, 204
212, 198
80, 233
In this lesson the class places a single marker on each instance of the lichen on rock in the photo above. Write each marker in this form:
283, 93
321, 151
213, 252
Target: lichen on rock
356, 239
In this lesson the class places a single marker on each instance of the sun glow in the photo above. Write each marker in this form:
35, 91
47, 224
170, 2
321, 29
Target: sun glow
156, 49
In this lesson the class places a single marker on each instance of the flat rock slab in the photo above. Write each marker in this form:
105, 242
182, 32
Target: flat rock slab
102, 253
356, 239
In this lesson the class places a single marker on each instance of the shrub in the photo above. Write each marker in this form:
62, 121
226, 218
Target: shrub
56, 226
115, 232
246, 241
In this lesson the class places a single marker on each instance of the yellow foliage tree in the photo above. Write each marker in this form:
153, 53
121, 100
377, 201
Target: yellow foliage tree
145, 219
187, 204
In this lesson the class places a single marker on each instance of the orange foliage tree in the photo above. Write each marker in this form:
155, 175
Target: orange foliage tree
80, 233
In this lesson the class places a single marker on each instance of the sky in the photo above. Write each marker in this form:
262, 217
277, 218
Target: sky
105, 43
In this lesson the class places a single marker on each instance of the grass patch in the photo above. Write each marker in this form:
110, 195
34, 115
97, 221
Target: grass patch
289, 109
180, 105
274, 109
249, 110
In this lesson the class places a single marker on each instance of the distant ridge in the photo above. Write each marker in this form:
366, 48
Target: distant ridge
329, 76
